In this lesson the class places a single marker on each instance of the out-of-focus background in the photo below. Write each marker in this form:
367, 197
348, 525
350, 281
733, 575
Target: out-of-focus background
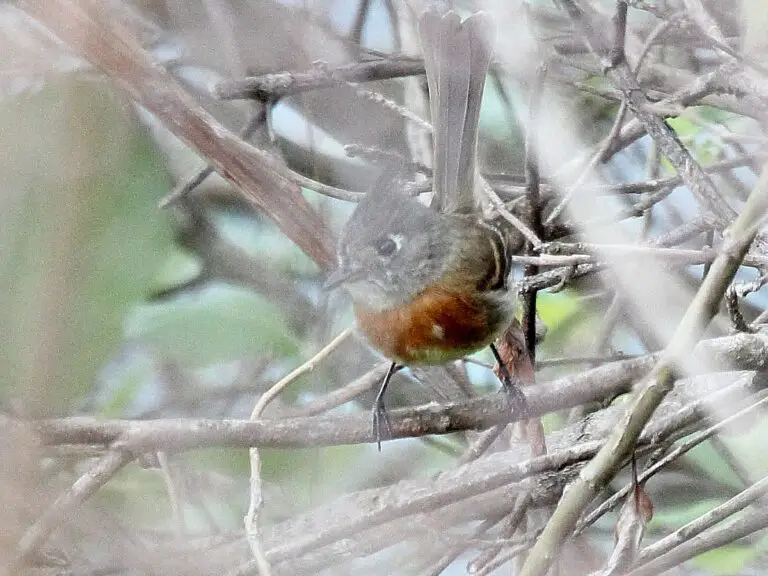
114, 308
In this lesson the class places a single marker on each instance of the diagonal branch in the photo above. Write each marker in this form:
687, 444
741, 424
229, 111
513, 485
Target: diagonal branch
666, 548
596, 475
89, 31
103, 471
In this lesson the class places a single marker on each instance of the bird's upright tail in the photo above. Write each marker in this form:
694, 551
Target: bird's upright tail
457, 55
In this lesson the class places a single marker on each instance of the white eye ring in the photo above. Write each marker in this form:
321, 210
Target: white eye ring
389, 244
397, 239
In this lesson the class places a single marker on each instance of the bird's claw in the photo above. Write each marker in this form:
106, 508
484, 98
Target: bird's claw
382, 427
516, 398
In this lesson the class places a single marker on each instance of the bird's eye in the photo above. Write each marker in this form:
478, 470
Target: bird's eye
386, 246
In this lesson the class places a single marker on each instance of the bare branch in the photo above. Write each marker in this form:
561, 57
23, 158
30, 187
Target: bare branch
280, 84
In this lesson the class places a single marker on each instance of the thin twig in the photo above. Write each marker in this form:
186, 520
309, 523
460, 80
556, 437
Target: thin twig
624, 79
594, 360
518, 224
533, 183
685, 256
481, 443
361, 16
597, 158
257, 500
342, 394
390, 104
602, 152
305, 368
177, 514
680, 257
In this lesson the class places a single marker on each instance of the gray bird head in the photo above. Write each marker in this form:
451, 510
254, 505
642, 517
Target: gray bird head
391, 248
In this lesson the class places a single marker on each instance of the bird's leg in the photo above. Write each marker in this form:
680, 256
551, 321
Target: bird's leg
380, 411
511, 388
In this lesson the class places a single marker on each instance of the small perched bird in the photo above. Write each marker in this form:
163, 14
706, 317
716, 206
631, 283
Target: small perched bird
429, 283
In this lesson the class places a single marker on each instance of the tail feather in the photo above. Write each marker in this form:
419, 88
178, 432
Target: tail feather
457, 56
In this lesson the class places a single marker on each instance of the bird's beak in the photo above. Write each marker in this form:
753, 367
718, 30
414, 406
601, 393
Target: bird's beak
340, 276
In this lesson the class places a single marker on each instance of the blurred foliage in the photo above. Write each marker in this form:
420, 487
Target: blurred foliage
730, 559
180, 268
152, 508
81, 233
703, 143
215, 325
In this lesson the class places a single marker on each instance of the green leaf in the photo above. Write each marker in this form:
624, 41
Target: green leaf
179, 268
568, 323
555, 308
682, 126
726, 560
218, 324
710, 460
672, 517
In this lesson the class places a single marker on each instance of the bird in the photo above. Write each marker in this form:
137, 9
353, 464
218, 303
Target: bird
429, 284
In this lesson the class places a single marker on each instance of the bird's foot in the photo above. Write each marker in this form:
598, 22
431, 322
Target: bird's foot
382, 427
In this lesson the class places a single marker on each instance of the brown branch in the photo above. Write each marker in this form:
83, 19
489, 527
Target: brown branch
740, 351
478, 487
281, 84
186, 186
